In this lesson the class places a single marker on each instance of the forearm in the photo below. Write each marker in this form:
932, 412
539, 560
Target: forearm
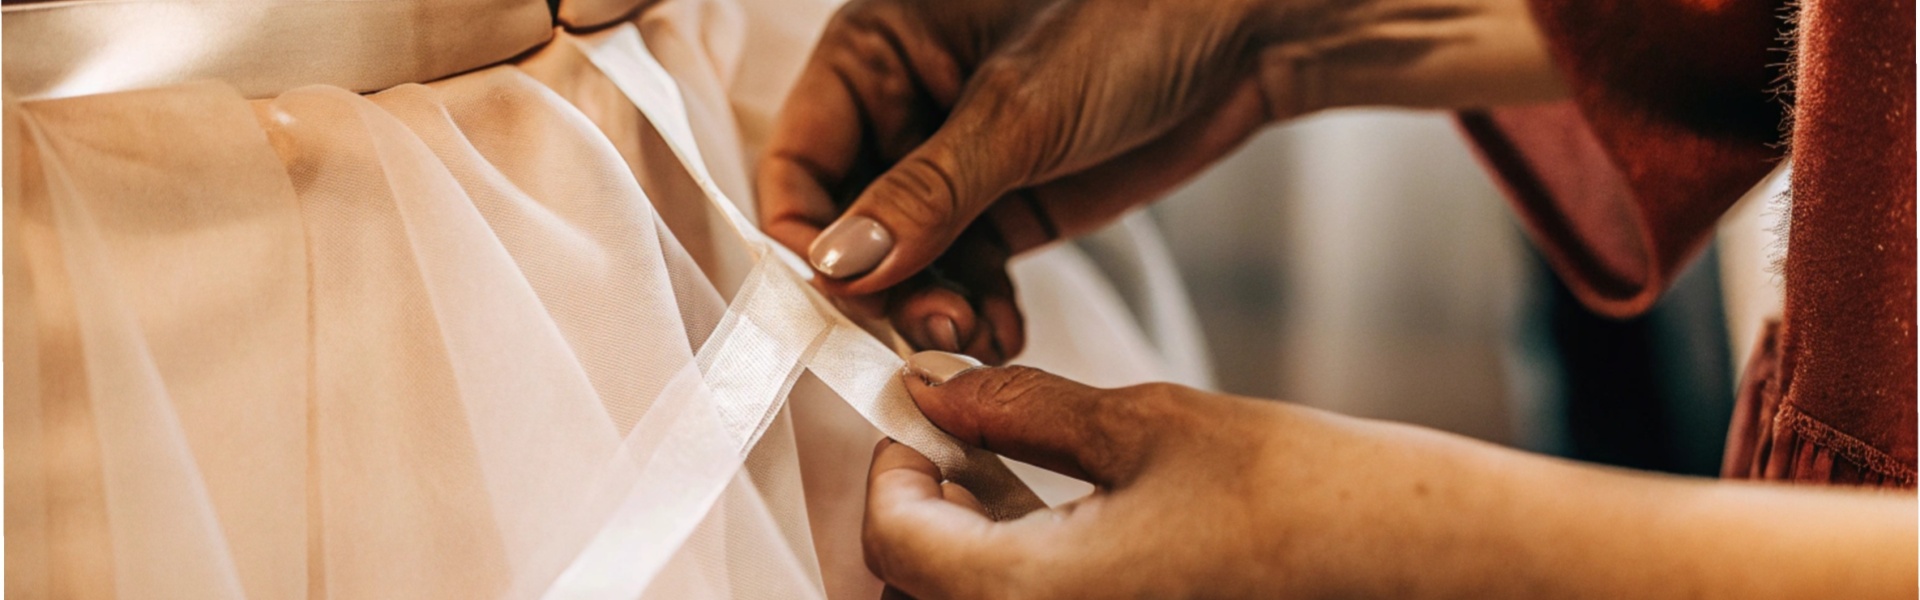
1655, 536
1408, 53
1498, 523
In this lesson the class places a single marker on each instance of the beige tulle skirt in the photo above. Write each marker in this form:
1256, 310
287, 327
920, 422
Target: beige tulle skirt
498, 334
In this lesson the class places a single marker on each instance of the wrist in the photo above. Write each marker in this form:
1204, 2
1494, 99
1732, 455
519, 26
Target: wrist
1315, 54
1415, 513
1445, 521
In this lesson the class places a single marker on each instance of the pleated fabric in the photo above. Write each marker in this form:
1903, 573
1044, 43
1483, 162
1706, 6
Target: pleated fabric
483, 336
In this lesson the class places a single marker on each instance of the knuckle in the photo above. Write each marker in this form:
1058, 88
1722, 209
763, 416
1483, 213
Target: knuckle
843, 23
926, 193
1016, 387
1165, 405
998, 82
1024, 119
861, 28
1003, 89
858, 49
854, 15
1129, 422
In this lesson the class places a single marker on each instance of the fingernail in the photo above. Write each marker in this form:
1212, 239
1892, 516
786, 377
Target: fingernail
946, 336
849, 247
936, 367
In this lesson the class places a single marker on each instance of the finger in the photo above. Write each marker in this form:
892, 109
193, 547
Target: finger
982, 346
909, 477
1004, 322
812, 148
978, 261
916, 538
792, 199
1101, 436
915, 210
934, 316
964, 302
956, 494
883, 67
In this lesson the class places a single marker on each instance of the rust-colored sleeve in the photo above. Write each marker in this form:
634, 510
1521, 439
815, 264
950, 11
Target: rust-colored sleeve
1670, 122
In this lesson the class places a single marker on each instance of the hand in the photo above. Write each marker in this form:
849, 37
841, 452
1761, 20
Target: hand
916, 116
1180, 485
1197, 494
1053, 117
1208, 495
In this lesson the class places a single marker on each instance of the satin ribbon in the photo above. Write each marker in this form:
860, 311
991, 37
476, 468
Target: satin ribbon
776, 326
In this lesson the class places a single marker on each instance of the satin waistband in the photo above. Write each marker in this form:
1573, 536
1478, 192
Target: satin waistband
262, 48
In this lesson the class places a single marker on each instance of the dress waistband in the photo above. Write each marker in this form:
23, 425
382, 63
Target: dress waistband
262, 48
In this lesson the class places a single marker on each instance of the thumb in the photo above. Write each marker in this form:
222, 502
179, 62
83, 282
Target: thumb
1098, 435
911, 213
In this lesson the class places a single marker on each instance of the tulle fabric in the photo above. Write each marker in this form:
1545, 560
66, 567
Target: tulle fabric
452, 340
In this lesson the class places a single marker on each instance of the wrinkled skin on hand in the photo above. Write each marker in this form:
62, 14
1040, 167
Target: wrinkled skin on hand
1197, 494
1204, 495
1049, 118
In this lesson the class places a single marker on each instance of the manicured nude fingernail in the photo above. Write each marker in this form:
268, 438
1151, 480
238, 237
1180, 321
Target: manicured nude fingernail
944, 334
936, 367
851, 246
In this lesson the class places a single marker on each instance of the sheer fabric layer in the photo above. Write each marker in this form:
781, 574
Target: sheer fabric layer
357, 346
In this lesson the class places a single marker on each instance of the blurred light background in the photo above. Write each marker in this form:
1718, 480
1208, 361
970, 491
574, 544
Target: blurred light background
1363, 262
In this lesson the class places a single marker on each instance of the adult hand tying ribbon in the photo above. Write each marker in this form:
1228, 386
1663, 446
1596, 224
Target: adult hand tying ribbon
925, 115
1216, 496
914, 118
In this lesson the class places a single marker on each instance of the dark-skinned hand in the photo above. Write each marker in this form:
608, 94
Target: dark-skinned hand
920, 116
